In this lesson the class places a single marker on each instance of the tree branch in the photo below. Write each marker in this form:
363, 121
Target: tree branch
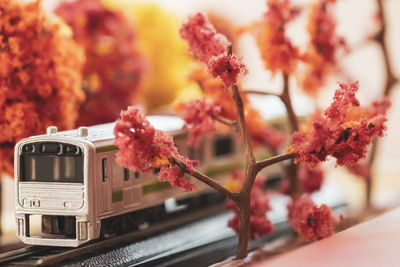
225, 121
267, 162
207, 180
256, 92
285, 97
389, 84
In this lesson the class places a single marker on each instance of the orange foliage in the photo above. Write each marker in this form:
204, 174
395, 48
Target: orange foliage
113, 68
40, 81
276, 49
321, 50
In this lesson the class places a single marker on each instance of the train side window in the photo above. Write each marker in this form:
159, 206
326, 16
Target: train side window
196, 153
104, 169
223, 146
126, 174
137, 175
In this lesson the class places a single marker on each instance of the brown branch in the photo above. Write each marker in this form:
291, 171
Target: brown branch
225, 121
207, 180
242, 126
267, 162
389, 84
380, 38
256, 92
285, 97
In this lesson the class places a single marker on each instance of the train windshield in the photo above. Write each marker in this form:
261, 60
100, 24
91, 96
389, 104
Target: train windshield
51, 162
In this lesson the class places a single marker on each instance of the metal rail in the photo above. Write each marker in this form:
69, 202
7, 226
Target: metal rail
46, 256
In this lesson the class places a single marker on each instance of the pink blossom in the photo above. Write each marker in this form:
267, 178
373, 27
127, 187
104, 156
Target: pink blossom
310, 221
260, 225
361, 169
270, 136
344, 98
174, 175
204, 41
311, 179
340, 132
379, 106
227, 67
198, 116
143, 148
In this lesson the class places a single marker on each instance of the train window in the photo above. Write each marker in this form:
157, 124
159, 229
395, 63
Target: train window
196, 153
137, 175
51, 168
126, 174
223, 146
104, 169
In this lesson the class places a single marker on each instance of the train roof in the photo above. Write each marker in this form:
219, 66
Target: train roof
100, 135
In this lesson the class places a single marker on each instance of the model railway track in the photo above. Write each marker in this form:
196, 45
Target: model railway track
49, 256
25, 256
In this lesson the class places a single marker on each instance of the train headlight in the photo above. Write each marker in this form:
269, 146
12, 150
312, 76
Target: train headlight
20, 227
82, 230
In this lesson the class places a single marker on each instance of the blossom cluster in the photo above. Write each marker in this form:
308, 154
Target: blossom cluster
260, 225
311, 179
310, 221
143, 148
212, 49
320, 54
199, 119
277, 51
214, 89
40, 75
342, 131
113, 68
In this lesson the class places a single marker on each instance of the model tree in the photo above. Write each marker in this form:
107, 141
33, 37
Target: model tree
343, 131
40, 76
114, 65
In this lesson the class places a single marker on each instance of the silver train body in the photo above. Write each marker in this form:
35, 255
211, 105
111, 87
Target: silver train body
71, 181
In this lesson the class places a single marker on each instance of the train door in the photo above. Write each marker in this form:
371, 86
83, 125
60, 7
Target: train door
104, 182
132, 184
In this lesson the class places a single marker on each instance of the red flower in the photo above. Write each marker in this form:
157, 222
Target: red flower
340, 132
310, 221
198, 116
227, 67
144, 148
260, 225
204, 42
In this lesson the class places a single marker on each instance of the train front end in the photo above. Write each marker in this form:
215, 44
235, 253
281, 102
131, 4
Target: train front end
51, 180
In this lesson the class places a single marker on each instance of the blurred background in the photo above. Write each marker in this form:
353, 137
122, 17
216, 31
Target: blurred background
162, 65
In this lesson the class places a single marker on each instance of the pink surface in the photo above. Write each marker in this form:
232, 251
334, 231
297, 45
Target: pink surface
373, 243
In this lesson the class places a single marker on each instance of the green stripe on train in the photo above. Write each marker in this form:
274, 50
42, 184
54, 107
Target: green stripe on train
155, 186
222, 169
106, 148
158, 186
117, 196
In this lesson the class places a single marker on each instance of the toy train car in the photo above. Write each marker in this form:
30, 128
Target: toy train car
72, 183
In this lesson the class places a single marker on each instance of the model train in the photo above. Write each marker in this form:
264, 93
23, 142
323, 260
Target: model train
72, 183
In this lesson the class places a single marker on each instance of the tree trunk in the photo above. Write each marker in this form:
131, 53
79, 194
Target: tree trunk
244, 232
